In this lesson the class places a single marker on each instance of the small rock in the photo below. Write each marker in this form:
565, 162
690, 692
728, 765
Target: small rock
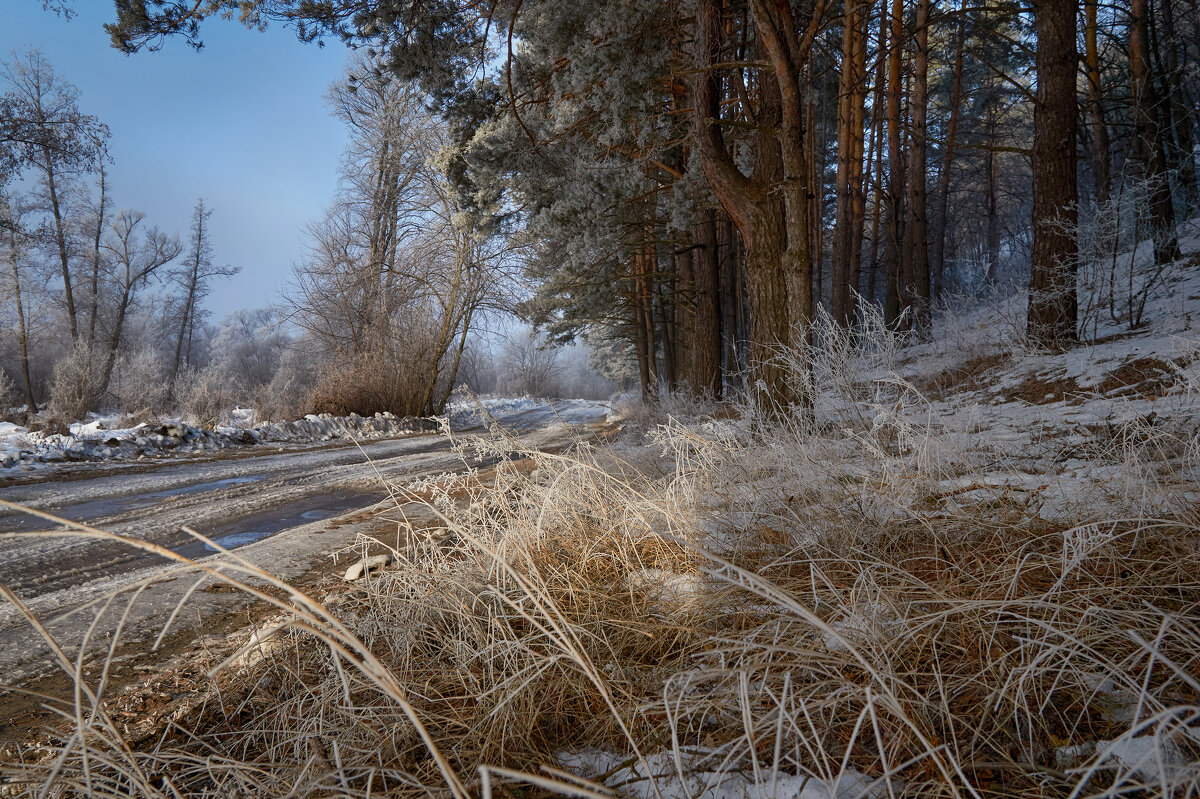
367, 565
262, 644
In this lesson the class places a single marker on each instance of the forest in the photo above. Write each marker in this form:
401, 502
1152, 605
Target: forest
106, 312
713, 173
680, 187
890, 307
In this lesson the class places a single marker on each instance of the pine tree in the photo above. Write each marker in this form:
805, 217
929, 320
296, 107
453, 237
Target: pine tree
1052, 301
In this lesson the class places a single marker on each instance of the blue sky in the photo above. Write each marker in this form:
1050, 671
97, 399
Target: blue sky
242, 123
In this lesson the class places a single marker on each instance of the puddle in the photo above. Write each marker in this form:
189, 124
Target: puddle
199, 487
236, 540
264, 524
315, 515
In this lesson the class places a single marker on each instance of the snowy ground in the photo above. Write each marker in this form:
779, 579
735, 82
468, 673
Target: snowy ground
969, 421
969, 424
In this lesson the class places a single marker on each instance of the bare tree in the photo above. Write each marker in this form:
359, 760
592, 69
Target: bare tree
397, 273
528, 366
134, 259
99, 221
15, 244
194, 277
56, 140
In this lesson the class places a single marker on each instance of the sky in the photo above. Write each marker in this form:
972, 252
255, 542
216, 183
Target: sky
242, 123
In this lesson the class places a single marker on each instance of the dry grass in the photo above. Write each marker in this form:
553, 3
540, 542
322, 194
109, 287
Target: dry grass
719, 604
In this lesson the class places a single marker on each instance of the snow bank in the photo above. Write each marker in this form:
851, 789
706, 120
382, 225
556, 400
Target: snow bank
103, 437
110, 437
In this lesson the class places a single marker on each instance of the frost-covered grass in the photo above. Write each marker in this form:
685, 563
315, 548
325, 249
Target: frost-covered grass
974, 571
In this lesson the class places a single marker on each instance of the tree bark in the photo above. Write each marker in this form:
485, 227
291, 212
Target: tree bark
1101, 165
193, 279
731, 299
778, 257
1053, 313
1176, 112
705, 345
60, 239
918, 291
991, 199
848, 229
877, 144
1183, 126
894, 240
114, 340
94, 310
938, 265
1149, 144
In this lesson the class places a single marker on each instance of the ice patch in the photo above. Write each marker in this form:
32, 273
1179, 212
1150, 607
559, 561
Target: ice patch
236, 540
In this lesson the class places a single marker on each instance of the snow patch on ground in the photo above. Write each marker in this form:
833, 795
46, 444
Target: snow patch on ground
660, 776
470, 411
1152, 761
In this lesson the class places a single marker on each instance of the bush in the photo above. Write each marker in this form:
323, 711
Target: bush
10, 400
139, 381
289, 395
204, 395
75, 388
372, 383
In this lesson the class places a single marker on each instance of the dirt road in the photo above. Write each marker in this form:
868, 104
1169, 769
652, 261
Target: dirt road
285, 511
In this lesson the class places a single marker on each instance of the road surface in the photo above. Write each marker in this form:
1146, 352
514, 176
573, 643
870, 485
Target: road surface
270, 507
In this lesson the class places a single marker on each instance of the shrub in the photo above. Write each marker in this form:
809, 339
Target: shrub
371, 383
75, 388
289, 395
204, 395
139, 381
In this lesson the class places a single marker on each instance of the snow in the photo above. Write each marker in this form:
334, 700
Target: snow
667, 781
110, 437
103, 438
470, 411
1056, 430
523, 412
1151, 759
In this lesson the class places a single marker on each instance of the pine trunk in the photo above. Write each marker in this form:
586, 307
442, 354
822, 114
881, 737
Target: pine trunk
894, 238
1052, 300
1149, 144
705, 343
1182, 110
938, 265
848, 230
917, 292
1101, 165
991, 199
